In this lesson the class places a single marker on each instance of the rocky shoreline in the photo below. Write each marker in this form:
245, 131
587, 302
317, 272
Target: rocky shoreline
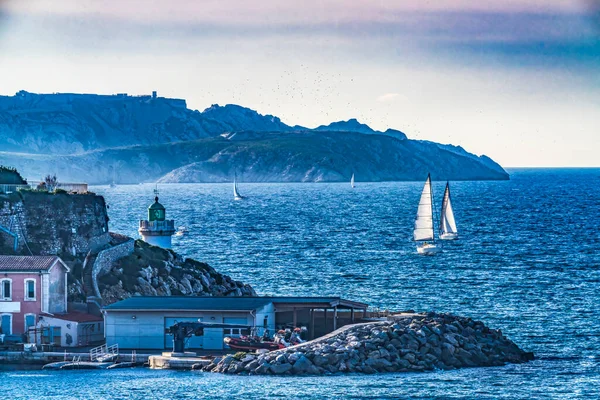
403, 343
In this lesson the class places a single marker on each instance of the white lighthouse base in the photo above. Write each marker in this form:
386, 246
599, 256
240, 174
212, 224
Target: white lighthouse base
160, 241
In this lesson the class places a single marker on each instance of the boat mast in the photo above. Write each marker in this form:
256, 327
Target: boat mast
443, 211
432, 208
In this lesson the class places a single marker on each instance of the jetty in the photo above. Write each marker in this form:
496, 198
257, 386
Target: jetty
402, 343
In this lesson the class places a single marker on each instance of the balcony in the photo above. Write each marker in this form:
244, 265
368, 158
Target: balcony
166, 227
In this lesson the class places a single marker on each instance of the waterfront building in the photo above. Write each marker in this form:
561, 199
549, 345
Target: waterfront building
140, 322
72, 329
29, 287
157, 230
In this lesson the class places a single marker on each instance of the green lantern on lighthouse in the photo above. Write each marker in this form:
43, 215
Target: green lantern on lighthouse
156, 211
157, 230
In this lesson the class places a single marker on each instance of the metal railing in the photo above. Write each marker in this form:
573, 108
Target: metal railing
104, 353
166, 225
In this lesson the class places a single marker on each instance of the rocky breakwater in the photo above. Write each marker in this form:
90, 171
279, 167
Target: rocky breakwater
404, 343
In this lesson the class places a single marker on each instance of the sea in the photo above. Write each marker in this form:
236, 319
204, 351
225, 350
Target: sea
527, 262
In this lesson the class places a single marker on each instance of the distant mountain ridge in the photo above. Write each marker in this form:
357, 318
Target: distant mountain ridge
97, 138
352, 125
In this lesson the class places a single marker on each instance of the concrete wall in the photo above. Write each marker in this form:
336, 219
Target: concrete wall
160, 241
145, 329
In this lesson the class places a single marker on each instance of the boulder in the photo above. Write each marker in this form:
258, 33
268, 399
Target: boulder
278, 369
302, 365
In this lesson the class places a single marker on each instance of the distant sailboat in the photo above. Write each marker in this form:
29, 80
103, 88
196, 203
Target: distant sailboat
352, 182
112, 183
236, 194
448, 229
424, 233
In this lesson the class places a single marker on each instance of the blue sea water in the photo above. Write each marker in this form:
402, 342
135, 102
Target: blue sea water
527, 262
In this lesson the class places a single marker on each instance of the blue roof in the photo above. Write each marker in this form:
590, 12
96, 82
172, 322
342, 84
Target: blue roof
193, 303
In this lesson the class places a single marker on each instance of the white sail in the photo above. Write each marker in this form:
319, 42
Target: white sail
424, 220
352, 181
236, 195
447, 221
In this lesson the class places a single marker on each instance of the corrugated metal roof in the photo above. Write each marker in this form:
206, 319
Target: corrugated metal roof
189, 303
26, 263
212, 303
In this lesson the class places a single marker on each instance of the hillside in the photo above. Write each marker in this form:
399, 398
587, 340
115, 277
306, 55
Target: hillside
132, 139
268, 157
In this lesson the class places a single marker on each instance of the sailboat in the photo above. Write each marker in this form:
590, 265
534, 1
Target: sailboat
352, 182
448, 229
424, 233
236, 194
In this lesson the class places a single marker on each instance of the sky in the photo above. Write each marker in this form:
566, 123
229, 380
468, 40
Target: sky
517, 80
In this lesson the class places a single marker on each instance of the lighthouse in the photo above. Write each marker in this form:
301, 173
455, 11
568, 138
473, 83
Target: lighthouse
157, 230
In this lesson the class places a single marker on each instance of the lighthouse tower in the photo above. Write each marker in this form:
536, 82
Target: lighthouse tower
157, 230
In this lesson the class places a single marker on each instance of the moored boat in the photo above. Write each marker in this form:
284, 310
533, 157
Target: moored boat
251, 343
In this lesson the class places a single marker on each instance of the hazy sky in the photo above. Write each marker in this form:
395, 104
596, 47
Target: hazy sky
516, 80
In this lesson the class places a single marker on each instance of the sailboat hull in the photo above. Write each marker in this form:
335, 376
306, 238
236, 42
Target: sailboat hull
449, 236
428, 249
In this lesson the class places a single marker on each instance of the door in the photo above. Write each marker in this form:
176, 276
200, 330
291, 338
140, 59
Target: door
29, 322
195, 342
6, 324
213, 338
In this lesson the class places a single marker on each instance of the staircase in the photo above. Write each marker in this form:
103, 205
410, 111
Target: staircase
94, 302
87, 270
104, 353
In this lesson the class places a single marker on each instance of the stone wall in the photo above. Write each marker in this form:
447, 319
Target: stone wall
54, 223
106, 258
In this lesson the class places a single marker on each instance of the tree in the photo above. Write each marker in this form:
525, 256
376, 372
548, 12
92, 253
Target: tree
50, 182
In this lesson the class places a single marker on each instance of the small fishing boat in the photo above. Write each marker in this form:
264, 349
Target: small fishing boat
352, 182
423, 233
236, 194
182, 230
251, 343
448, 229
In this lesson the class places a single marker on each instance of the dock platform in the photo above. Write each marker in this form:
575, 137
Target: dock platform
181, 361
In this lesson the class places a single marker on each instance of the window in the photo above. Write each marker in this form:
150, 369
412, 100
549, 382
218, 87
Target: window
231, 332
6, 289
29, 289
235, 331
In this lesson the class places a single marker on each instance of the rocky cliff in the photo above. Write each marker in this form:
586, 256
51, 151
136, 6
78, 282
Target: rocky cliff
152, 271
132, 139
406, 343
